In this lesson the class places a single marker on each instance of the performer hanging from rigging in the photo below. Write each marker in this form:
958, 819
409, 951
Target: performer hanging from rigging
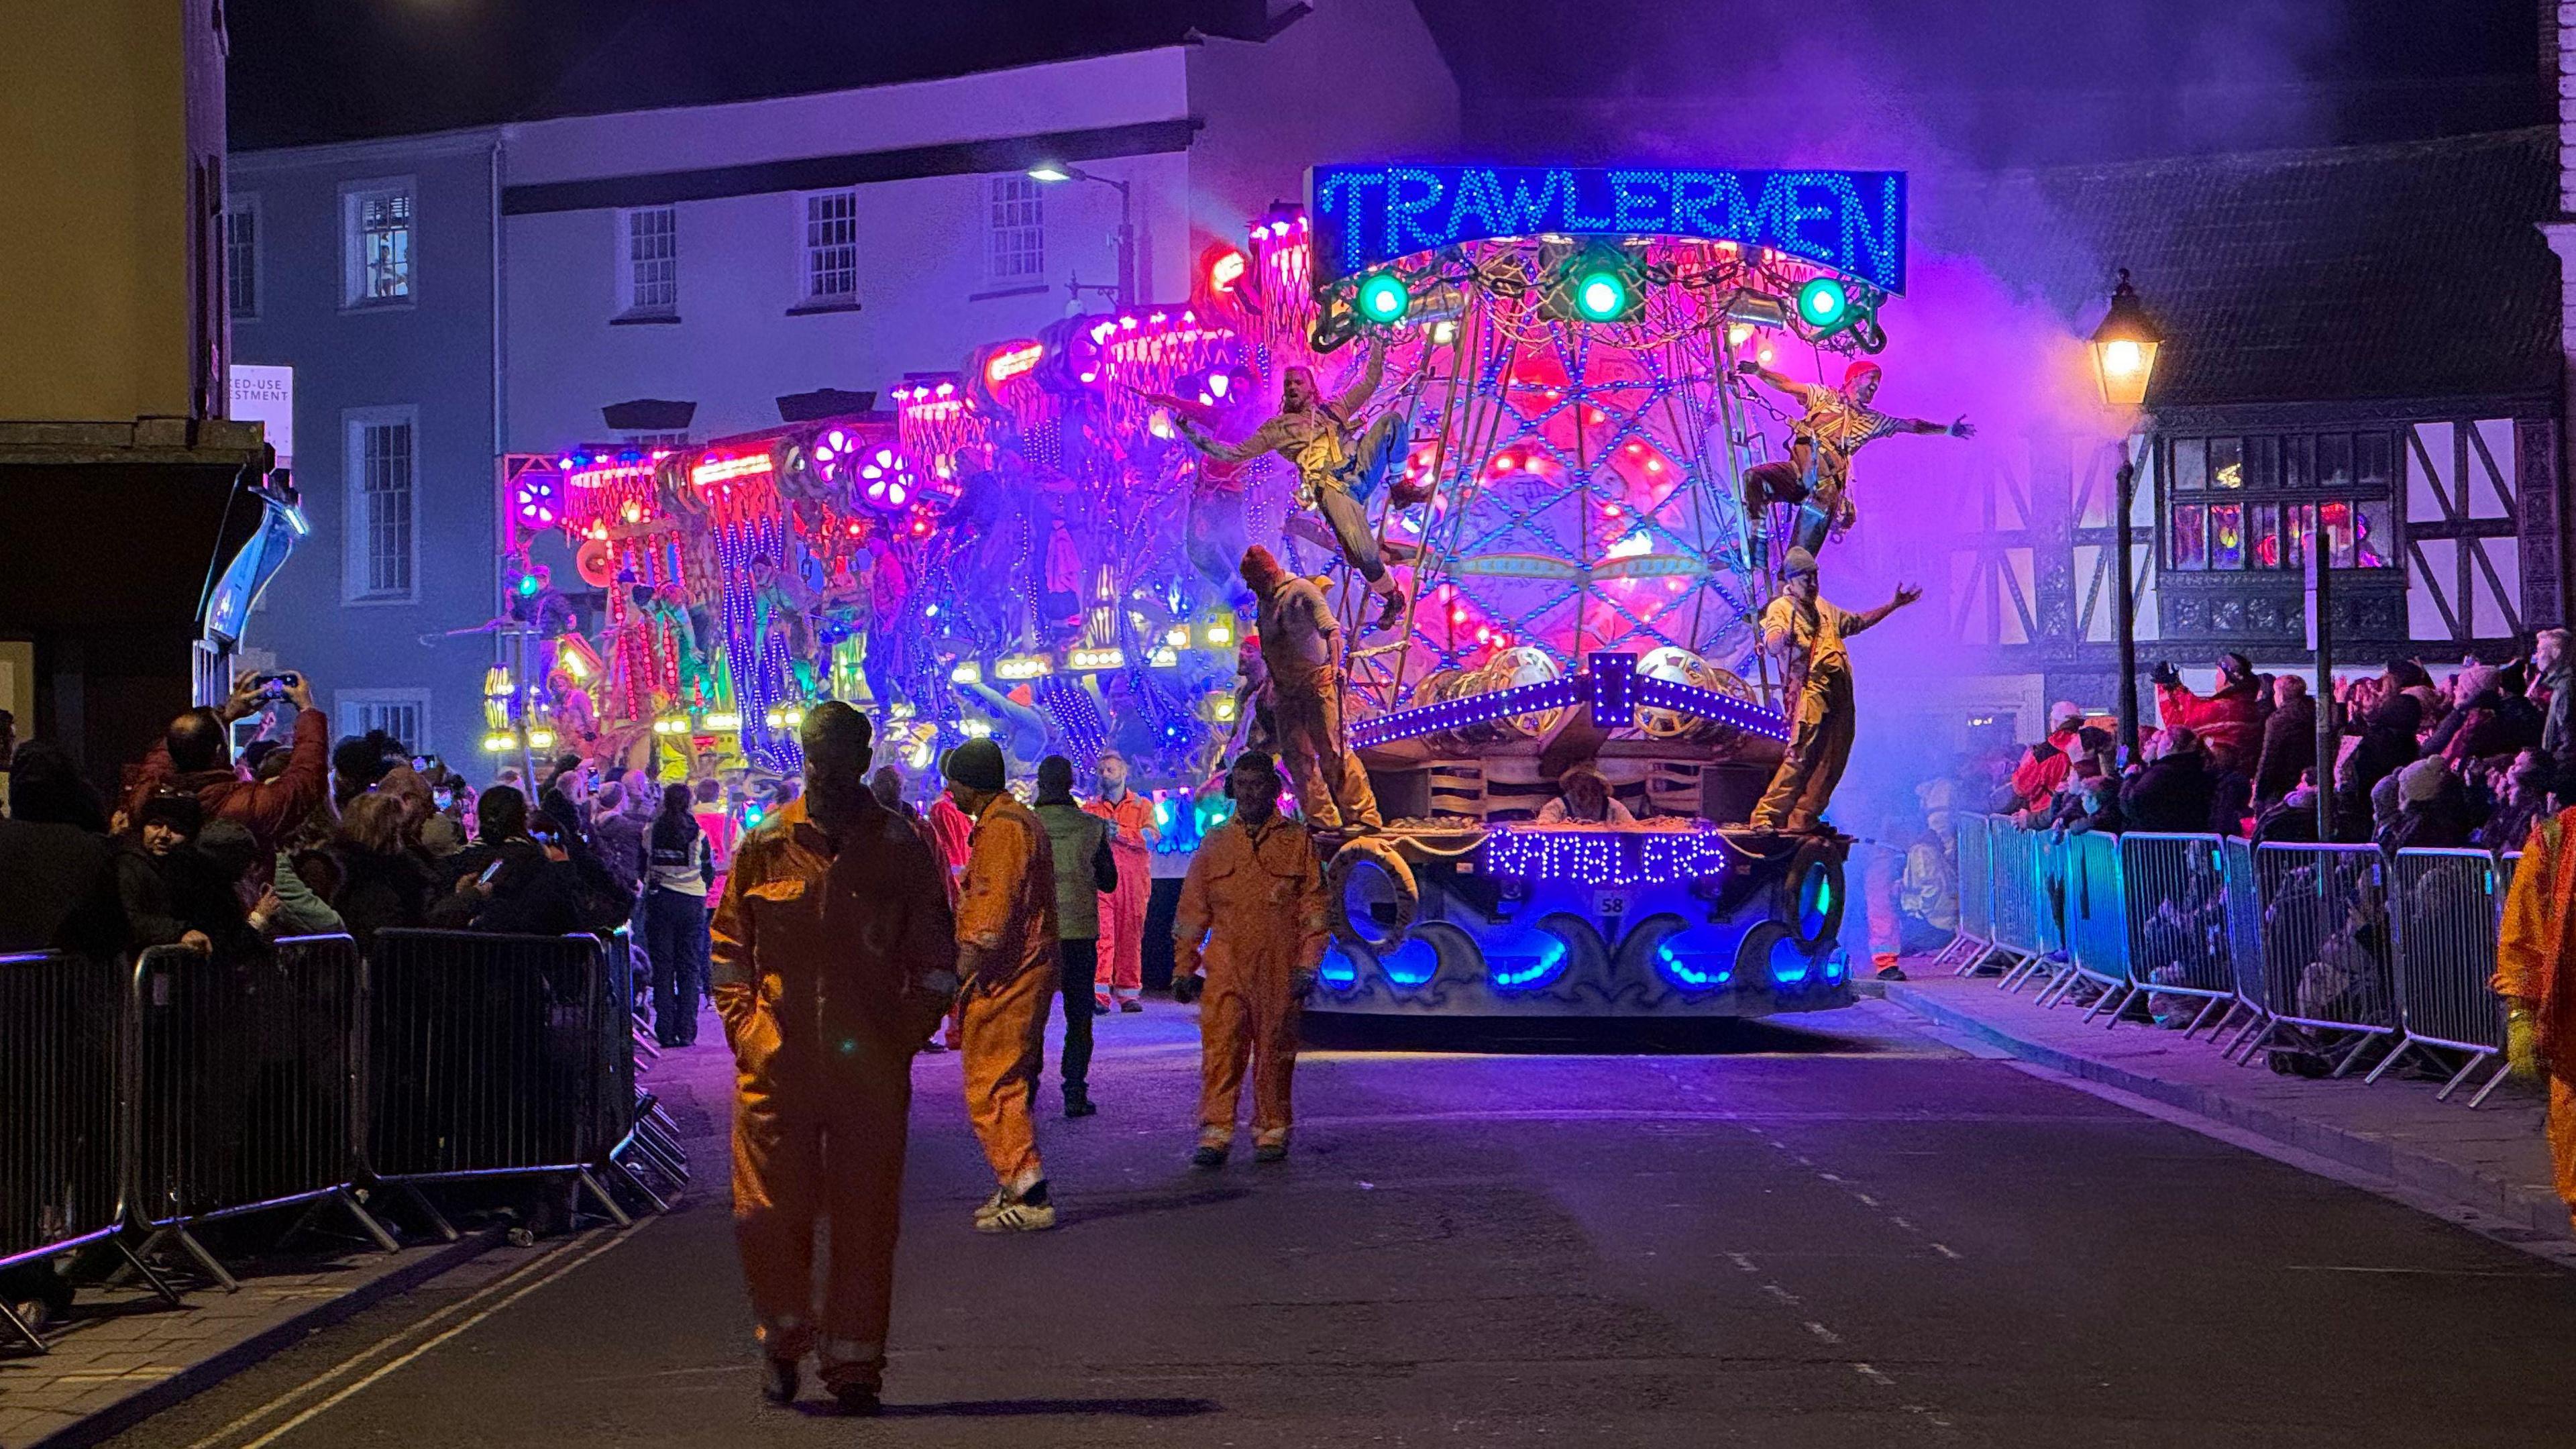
1299, 649
1809, 632
1338, 465
1816, 476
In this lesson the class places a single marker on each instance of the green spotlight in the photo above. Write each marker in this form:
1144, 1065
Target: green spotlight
1822, 303
1600, 296
1384, 298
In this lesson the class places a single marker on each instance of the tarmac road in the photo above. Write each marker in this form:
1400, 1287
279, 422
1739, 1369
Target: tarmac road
1851, 1234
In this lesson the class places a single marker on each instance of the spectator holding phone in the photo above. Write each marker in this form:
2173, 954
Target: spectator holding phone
194, 756
514, 879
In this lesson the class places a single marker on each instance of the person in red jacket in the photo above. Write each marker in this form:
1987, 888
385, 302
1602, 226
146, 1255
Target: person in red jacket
2044, 766
2228, 722
195, 755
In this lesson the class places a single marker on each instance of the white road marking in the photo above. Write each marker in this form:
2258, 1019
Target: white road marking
554, 1267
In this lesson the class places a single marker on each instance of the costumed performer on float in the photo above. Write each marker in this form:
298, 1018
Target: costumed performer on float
1808, 633
1299, 639
1837, 423
1338, 465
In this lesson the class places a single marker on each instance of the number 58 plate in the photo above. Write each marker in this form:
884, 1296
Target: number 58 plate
1610, 901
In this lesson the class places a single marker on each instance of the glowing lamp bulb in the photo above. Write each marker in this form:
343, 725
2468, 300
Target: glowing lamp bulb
1384, 297
1600, 296
1736, 334
1822, 301
2122, 357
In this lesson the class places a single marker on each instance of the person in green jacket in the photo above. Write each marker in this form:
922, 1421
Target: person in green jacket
1084, 868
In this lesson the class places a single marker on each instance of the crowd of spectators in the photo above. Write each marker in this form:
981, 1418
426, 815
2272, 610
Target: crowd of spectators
224, 849
2470, 760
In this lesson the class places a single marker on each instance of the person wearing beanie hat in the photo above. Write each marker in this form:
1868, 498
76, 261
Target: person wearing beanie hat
2044, 766
2432, 810
1084, 871
834, 957
1255, 896
1301, 651
1808, 633
1837, 422
1009, 968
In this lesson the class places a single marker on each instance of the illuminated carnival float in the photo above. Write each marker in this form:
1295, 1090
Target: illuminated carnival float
1027, 548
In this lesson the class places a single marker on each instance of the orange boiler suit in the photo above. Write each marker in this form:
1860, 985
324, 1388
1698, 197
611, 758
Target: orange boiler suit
1006, 952
2534, 964
1122, 911
1262, 893
834, 958
1298, 639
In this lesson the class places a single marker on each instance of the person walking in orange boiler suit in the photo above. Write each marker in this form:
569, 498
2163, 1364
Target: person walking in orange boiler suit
834, 959
1006, 955
1256, 885
1122, 912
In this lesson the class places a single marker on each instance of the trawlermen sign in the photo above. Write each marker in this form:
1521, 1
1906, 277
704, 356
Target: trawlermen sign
1852, 222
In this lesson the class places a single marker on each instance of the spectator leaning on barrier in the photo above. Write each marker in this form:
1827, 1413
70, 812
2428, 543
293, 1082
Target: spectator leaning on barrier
2045, 766
383, 885
2432, 810
58, 870
194, 754
174, 893
2173, 793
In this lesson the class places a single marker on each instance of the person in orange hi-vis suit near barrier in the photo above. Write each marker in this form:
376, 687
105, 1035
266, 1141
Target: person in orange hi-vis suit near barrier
834, 958
1256, 884
1122, 911
1006, 957
2536, 975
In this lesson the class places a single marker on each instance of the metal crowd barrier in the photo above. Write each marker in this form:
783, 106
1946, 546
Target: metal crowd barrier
2178, 937
500, 1057
2244, 949
249, 1085
66, 1102
2016, 855
1976, 935
2327, 978
2446, 908
2097, 919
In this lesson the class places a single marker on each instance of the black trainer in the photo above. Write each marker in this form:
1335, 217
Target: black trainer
1078, 1103
858, 1401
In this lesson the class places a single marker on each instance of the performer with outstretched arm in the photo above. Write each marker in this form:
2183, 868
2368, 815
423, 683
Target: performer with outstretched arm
1836, 423
1338, 465
1808, 633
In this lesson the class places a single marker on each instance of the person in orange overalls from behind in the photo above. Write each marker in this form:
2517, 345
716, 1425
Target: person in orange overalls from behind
834, 957
2536, 975
1006, 955
1256, 883
1132, 838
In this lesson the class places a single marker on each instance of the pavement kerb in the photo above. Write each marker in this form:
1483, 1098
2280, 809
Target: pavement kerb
2519, 1203
205, 1373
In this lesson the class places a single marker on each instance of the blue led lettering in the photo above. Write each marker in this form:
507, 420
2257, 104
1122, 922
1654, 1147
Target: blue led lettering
1524, 213
1851, 222
1410, 191
1576, 182
1637, 202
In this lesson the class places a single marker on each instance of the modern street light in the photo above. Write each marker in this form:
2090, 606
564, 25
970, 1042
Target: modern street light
1052, 172
2124, 358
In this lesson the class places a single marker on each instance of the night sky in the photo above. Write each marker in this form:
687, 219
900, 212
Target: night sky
2116, 78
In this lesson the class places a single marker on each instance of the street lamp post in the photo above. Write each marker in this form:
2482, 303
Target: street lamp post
2124, 358
1056, 171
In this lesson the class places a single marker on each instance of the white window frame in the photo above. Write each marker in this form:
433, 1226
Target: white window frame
350, 713
354, 197
357, 521
629, 278
807, 248
236, 273
1014, 242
